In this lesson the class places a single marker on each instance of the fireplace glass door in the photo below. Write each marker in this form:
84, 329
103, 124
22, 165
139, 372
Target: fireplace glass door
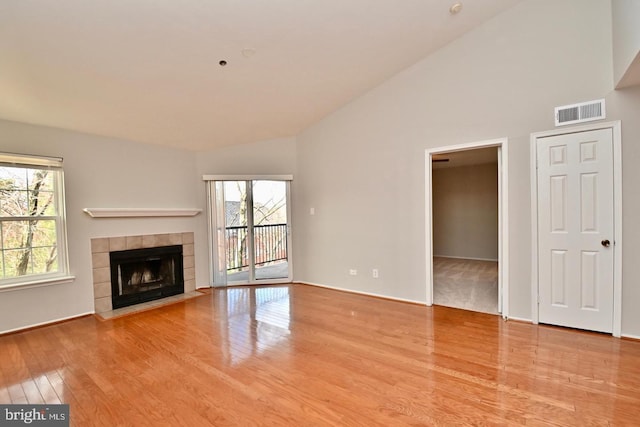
250, 231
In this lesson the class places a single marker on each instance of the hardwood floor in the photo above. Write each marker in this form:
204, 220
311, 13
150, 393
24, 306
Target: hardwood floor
304, 356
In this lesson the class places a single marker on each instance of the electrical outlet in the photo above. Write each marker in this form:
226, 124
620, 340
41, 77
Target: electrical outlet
312, 211
375, 273
353, 272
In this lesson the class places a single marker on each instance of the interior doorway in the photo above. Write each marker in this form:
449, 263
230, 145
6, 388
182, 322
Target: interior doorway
465, 229
466, 226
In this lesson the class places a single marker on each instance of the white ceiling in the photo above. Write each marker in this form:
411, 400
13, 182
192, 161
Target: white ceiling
147, 70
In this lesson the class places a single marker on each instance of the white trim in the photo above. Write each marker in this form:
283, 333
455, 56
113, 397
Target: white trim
616, 129
63, 241
368, 294
503, 215
247, 177
533, 179
428, 241
210, 231
503, 231
256, 282
139, 212
633, 337
213, 252
48, 322
520, 319
617, 214
289, 231
27, 160
37, 283
465, 257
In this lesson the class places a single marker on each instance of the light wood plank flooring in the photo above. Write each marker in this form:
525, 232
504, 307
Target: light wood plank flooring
304, 356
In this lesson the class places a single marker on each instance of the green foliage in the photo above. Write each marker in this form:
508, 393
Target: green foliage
29, 241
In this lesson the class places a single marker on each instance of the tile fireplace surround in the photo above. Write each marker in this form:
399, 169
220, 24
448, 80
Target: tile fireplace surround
101, 247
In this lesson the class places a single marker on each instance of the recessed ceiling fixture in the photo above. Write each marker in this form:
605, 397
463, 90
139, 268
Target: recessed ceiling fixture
222, 63
455, 8
248, 52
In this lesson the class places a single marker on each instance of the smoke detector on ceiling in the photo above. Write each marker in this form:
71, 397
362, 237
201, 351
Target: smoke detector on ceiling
248, 52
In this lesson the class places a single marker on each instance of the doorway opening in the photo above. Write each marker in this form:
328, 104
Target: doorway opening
466, 226
465, 229
250, 237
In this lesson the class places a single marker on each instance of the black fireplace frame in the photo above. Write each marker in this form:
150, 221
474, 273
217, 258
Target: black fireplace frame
117, 258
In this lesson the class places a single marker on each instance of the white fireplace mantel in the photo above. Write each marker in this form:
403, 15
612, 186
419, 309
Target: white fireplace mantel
139, 212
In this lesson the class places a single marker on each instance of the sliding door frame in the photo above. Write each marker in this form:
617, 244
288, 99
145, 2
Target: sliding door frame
213, 225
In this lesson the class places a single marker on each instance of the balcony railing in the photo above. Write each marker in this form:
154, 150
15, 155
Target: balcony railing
270, 244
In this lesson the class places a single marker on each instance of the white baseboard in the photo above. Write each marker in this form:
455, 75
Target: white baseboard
520, 319
633, 337
48, 322
369, 294
466, 257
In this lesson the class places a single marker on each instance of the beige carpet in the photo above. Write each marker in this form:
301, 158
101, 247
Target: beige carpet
467, 284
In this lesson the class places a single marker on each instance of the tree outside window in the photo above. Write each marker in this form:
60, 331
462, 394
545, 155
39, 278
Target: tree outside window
30, 219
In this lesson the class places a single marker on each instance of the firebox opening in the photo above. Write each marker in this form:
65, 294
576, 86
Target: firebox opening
141, 275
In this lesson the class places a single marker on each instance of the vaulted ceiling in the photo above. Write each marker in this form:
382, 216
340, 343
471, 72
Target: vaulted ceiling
149, 70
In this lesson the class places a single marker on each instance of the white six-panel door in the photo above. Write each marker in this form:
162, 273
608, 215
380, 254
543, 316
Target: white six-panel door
576, 230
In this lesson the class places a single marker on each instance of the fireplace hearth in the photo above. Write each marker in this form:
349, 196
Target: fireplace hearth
141, 275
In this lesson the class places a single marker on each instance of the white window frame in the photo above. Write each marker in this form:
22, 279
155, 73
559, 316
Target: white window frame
62, 275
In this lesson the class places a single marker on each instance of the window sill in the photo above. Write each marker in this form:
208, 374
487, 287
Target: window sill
37, 283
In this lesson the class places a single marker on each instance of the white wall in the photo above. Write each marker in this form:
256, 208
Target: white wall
626, 42
107, 172
625, 105
362, 167
271, 157
465, 211
101, 172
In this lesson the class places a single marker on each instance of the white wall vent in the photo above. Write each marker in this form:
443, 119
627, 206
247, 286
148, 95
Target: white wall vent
578, 113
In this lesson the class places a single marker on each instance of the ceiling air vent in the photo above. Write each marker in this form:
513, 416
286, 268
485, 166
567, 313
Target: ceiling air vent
578, 113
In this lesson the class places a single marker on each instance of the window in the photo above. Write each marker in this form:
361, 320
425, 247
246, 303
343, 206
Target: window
32, 225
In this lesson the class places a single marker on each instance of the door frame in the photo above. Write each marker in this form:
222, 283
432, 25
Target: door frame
210, 179
503, 215
616, 129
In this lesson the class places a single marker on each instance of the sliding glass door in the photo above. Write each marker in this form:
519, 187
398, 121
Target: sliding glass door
270, 230
250, 231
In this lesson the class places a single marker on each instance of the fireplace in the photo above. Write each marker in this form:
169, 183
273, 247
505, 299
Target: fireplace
101, 247
140, 275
